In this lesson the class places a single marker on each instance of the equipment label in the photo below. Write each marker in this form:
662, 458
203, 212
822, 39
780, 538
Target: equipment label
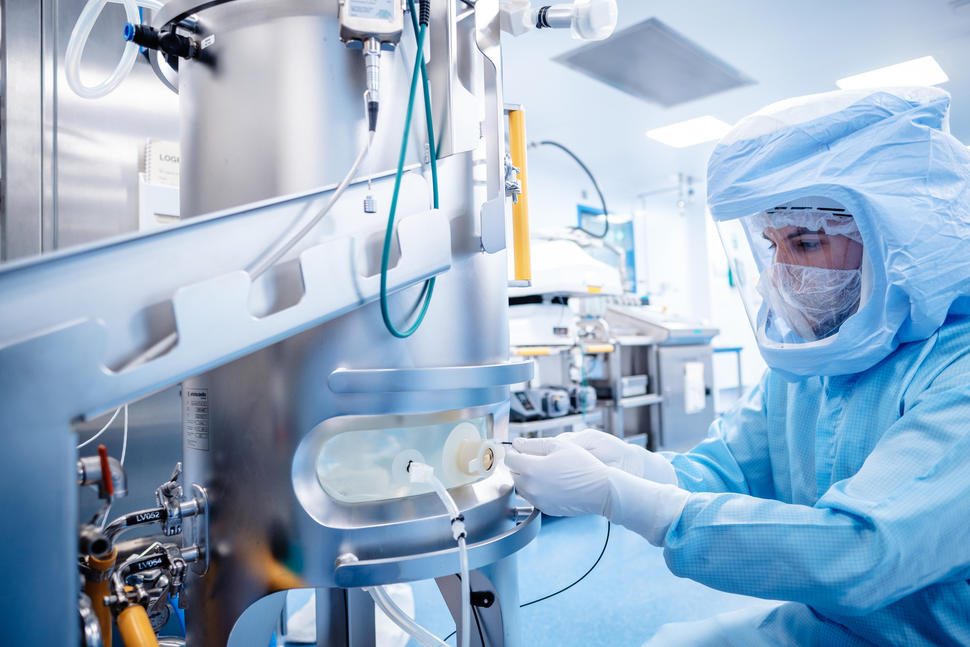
195, 418
374, 9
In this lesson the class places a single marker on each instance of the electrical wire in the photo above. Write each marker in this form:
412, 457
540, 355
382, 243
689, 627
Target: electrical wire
478, 623
102, 430
582, 577
419, 71
606, 220
124, 439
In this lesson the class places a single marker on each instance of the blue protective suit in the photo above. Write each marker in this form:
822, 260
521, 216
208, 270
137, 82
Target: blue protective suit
841, 483
888, 159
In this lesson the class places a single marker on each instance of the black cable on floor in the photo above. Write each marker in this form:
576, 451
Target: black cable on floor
606, 220
606, 543
583, 577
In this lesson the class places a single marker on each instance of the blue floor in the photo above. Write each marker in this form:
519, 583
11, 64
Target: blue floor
621, 603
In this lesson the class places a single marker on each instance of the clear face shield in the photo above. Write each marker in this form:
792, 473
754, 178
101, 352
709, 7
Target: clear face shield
798, 267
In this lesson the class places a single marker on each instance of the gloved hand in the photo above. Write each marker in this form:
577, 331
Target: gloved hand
618, 453
562, 479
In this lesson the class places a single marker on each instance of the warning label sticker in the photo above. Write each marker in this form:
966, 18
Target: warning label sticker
195, 418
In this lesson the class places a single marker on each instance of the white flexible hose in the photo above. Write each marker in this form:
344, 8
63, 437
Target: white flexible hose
397, 615
288, 240
466, 592
284, 244
79, 38
422, 473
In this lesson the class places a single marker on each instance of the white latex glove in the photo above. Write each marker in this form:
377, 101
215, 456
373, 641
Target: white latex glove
618, 453
562, 479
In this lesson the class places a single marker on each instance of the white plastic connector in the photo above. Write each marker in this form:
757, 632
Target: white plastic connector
593, 19
420, 472
516, 17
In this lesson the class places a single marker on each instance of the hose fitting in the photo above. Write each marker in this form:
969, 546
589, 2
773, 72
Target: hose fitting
424, 12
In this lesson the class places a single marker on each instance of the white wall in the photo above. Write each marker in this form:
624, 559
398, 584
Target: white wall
685, 269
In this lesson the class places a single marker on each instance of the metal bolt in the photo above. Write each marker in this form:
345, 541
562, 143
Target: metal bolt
488, 459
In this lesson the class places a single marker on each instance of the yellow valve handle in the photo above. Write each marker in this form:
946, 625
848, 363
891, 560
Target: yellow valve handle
135, 628
520, 210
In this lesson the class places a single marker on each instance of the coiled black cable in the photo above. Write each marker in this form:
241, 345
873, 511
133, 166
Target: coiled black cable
606, 220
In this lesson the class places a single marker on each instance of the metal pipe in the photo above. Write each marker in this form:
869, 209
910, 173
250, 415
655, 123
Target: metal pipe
89, 473
134, 519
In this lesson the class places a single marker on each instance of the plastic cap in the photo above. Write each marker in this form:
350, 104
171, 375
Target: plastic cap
129, 32
594, 19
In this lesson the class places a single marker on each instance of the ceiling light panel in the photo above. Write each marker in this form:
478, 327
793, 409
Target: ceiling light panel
690, 132
653, 62
919, 71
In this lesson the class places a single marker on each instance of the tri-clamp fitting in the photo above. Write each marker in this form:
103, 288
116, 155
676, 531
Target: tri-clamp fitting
169, 514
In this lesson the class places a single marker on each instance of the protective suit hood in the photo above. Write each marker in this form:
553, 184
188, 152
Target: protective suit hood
888, 157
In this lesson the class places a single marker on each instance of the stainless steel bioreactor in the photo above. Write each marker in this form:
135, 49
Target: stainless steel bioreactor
298, 405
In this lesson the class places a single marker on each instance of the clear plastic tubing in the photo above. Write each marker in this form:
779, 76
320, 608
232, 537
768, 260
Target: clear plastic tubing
420, 472
79, 38
401, 619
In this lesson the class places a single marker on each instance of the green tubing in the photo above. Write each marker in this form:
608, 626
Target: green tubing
420, 70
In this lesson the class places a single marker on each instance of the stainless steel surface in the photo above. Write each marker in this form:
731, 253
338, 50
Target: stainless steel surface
627, 416
61, 327
633, 385
71, 321
417, 566
496, 621
68, 175
589, 418
281, 57
268, 414
680, 430
70, 165
492, 211
345, 380
639, 401
22, 154
667, 329
89, 473
559, 17
204, 296
90, 628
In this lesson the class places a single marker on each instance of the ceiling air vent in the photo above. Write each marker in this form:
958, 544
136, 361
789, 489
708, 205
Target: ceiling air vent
653, 62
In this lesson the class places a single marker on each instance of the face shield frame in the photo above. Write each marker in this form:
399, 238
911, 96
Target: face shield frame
751, 257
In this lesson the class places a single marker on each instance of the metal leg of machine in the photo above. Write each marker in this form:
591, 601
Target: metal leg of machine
496, 603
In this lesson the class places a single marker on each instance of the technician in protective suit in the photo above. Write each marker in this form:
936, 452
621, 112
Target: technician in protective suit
841, 483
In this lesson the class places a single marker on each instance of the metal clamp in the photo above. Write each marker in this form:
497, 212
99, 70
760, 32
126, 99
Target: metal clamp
351, 572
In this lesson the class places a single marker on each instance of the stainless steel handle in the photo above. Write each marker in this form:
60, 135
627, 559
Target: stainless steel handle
401, 380
375, 572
